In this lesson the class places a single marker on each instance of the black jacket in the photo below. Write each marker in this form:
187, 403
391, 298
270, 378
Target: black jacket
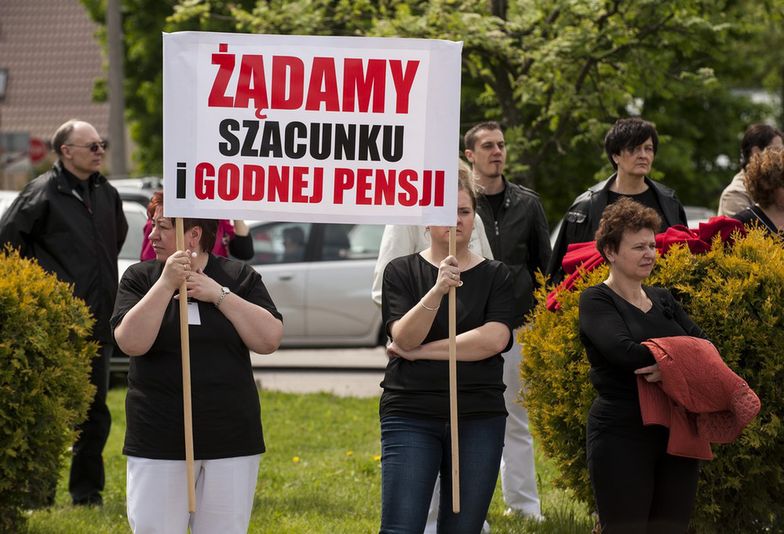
49, 222
582, 219
519, 238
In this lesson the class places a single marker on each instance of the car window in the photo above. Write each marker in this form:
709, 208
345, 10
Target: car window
351, 241
279, 242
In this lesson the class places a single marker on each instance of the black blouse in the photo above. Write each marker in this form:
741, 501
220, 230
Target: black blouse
226, 413
612, 330
754, 216
421, 388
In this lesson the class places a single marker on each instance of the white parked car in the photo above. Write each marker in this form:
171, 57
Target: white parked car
136, 215
6, 199
319, 276
698, 214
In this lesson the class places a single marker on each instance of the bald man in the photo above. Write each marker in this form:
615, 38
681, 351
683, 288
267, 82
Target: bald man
71, 220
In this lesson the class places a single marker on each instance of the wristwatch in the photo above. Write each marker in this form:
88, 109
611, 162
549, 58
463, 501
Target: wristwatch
224, 291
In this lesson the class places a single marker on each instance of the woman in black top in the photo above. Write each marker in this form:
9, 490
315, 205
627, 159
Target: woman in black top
638, 487
414, 407
631, 146
230, 313
765, 184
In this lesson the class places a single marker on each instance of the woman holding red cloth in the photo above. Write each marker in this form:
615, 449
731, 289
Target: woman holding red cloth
637, 485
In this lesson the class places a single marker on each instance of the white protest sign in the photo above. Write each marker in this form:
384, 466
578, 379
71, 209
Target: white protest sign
311, 129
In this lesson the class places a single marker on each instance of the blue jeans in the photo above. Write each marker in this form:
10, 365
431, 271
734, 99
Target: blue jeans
414, 451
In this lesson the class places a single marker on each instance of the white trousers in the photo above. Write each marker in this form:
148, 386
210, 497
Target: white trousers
518, 472
157, 495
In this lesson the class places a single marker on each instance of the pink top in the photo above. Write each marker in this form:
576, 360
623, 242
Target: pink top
224, 235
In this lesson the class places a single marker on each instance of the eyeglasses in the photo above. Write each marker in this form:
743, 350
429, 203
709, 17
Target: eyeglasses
92, 146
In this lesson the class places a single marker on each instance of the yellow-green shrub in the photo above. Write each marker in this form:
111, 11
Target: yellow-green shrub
736, 295
44, 382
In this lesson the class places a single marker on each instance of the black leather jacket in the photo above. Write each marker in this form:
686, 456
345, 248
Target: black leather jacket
49, 222
519, 238
582, 219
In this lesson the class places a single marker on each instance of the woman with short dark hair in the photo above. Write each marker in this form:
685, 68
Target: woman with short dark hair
631, 146
637, 485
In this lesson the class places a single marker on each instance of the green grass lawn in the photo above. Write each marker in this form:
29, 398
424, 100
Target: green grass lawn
321, 474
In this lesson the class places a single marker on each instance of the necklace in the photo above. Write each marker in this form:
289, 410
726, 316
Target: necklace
642, 302
464, 262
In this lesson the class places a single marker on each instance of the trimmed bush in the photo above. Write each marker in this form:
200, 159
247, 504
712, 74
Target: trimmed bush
736, 295
44, 382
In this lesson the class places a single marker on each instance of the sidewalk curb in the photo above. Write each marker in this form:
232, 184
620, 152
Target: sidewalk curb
326, 360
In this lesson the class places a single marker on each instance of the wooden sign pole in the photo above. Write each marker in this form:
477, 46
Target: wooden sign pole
453, 382
187, 411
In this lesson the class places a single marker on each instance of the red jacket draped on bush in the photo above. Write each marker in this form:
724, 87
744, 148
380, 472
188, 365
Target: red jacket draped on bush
582, 258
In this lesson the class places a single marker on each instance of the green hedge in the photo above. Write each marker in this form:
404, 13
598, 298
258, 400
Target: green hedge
44, 382
736, 295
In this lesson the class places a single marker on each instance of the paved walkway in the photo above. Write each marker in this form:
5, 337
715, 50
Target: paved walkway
343, 372
370, 358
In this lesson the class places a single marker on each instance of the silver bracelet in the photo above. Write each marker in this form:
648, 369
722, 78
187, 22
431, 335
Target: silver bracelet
425, 306
224, 291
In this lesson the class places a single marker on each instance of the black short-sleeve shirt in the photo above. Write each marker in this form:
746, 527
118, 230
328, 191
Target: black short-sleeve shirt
421, 388
226, 413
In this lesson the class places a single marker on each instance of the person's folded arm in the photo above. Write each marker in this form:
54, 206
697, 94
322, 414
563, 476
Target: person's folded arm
241, 243
410, 330
604, 327
476, 344
241, 227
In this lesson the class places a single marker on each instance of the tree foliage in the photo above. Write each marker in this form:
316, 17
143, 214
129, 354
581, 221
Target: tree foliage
736, 295
556, 73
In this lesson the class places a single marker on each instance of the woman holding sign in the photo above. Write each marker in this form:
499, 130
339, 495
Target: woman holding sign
229, 313
414, 408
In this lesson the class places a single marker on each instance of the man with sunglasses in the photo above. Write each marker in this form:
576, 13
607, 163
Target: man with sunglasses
71, 220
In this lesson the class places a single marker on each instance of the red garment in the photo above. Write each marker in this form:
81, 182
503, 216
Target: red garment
582, 255
587, 258
224, 234
699, 398
699, 240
